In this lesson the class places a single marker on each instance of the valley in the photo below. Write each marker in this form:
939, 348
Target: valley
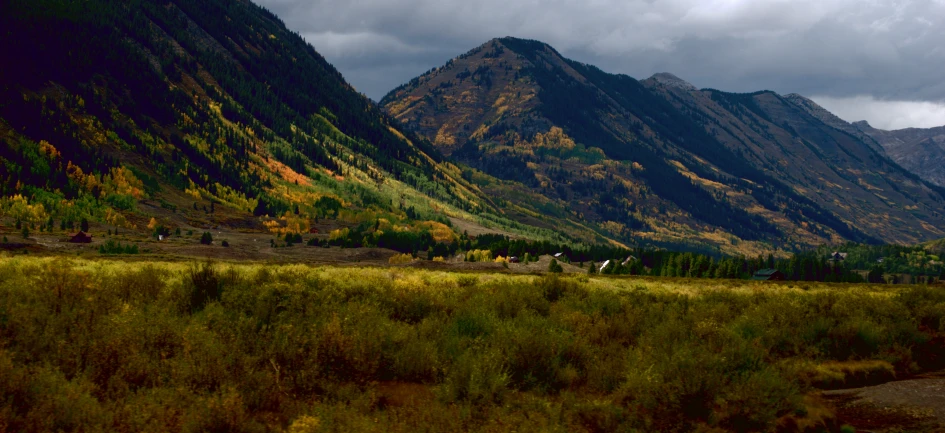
205, 227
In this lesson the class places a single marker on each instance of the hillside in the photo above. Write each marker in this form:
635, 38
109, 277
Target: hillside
840, 173
209, 113
660, 159
920, 150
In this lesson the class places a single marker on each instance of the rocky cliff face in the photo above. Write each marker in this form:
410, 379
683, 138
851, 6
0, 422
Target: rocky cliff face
919, 150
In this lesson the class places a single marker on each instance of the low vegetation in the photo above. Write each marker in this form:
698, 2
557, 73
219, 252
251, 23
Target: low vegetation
119, 346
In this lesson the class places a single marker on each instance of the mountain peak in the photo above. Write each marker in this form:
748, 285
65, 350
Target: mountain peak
862, 125
670, 80
525, 47
797, 96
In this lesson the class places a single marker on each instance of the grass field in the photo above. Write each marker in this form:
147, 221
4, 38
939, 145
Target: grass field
117, 346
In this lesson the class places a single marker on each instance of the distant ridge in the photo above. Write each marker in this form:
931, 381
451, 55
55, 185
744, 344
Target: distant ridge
667, 79
920, 150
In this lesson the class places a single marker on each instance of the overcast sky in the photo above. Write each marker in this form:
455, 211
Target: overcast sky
878, 60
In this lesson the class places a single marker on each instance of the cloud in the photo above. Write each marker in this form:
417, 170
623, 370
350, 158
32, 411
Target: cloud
888, 49
881, 114
358, 44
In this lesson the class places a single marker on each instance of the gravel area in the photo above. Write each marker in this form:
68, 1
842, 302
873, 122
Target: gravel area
916, 404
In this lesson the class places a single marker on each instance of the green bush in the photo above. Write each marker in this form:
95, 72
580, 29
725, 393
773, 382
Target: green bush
206, 238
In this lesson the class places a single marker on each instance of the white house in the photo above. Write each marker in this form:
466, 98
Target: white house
603, 266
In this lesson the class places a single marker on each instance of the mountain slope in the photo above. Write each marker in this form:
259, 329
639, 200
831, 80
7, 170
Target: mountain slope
487, 107
209, 112
830, 119
839, 172
660, 156
919, 150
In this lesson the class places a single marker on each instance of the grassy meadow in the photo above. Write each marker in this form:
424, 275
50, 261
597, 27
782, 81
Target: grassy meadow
152, 346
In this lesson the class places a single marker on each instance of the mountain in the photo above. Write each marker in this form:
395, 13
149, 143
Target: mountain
919, 150
206, 113
806, 150
830, 119
660, 159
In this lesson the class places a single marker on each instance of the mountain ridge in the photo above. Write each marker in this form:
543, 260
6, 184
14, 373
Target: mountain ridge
672, 129
920, 150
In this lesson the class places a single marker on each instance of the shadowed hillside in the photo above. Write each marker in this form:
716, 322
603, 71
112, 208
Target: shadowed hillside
207, 113
661, 159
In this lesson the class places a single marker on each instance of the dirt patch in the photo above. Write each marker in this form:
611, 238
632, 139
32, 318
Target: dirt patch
475, 229
403, 394
916, 404
542, 264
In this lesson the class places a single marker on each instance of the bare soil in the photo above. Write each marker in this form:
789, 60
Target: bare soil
915, 405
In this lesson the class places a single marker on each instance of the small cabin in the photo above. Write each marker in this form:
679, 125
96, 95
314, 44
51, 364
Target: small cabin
629, 260
80, 238
514, 259
768, 275
559, 255
838, 256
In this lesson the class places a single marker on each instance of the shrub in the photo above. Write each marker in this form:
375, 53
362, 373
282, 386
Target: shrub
167, 347
202, 285
554, 288
225, 243
400, 259
206, 238
467, 280
476, 377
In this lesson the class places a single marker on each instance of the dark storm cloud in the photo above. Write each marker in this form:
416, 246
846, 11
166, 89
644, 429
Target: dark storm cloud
885, 53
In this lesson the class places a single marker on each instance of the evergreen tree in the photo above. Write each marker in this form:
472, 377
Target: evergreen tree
554, 267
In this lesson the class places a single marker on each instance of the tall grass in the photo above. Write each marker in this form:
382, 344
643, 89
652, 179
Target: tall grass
115, 346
